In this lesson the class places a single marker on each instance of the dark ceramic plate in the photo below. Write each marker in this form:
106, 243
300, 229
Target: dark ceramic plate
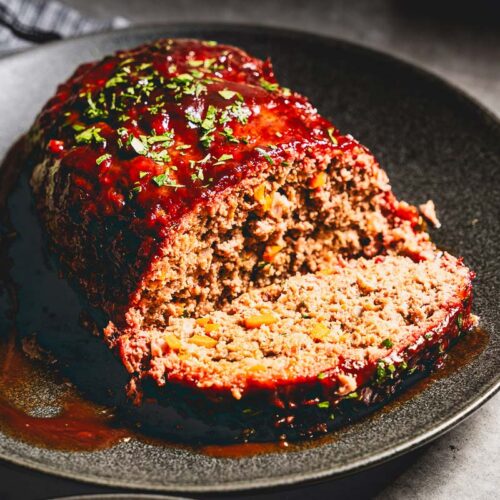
434, 142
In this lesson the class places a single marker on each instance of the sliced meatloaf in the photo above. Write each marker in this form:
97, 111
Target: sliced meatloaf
179, 181
293, 353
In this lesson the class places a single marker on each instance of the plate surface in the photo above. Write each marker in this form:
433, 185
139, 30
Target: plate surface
434, 142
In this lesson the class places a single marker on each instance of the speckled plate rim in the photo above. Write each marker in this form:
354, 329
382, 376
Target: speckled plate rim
467, 408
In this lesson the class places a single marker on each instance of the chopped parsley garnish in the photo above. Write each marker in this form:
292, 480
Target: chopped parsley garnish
208, 126
460, 321
195, 120
165, 180
322, 375
167, 139
186, 84
227, 94
381, 371
209, 43
324, 404
196, 73
93, 110
270, 87
352, 395
236, 110
223, 158
135, 190
228, 134
102, 158
332, 136
198, 175
89, 135
142, 174
265, 154
386, 343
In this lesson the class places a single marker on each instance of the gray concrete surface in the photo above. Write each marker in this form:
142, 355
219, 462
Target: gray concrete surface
461, 44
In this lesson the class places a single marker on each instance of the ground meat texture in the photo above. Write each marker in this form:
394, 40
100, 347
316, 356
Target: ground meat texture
293, 359
178, 180
353, 314
210, 181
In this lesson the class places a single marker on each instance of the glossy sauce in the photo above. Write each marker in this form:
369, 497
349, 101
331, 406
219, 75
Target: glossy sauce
124, 181
461, 354
80, 425
75, 425
223, 114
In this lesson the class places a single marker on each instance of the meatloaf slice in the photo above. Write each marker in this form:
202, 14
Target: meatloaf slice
176, 176
313, 340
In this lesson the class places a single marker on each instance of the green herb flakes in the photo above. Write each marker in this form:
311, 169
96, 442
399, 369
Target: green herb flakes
352, 395
270, 87
265, 154
324, 404
228, 134
165, 180
89, 135
103, 158
227, 94
223, 158
332, 137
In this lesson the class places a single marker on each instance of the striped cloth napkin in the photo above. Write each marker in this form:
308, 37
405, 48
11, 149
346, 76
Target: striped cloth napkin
24, 23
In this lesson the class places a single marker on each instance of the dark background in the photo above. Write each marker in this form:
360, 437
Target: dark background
458, 41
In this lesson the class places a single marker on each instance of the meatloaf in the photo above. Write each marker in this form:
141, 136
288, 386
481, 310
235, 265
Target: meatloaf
185, 191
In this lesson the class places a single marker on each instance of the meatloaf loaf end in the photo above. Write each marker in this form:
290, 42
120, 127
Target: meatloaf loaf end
176, 176
180, 185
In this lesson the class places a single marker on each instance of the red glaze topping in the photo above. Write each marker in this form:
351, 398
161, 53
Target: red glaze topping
150, 133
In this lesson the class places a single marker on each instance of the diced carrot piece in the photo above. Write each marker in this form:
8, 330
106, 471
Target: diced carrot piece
211, 327
173, 342
203, 321
318, 181
202, 341
257, 368
319, 331
259, 320
270, 252
260, 195
325, 272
